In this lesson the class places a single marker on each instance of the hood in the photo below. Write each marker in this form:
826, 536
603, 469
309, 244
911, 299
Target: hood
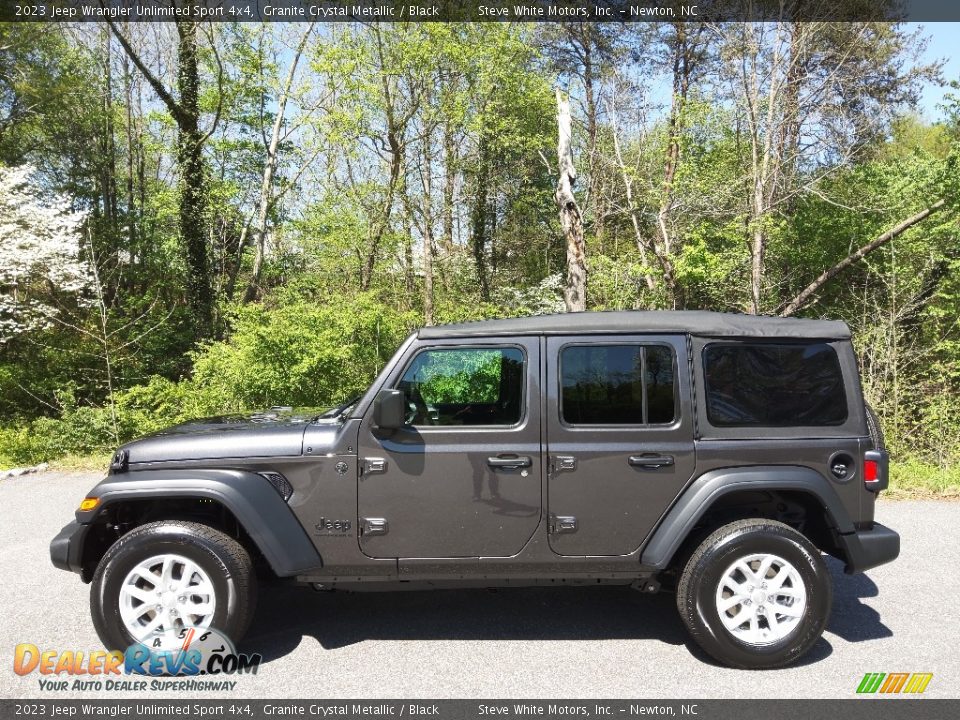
273, 433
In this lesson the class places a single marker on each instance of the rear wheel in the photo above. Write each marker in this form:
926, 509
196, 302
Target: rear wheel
755, 594
166, 577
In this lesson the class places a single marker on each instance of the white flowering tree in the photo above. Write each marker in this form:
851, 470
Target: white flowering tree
39, 253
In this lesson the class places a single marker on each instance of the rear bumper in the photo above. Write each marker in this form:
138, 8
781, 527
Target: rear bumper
66, 549
869, 548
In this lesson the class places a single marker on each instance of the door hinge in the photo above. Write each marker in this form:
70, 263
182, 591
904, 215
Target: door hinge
373, 526
563, 524
374, 466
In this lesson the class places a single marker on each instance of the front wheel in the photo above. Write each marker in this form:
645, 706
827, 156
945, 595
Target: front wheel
755, 594
166, 577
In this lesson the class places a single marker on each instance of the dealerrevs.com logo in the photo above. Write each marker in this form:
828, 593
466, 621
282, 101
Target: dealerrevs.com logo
202, 652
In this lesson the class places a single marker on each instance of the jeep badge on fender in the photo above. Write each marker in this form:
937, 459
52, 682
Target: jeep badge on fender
333, 526
715, 456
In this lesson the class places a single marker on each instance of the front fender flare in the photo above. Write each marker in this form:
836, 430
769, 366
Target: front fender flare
256, 505
712, 485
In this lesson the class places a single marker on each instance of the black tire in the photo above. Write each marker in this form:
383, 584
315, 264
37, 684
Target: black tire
222, 558
874, 428
701, 576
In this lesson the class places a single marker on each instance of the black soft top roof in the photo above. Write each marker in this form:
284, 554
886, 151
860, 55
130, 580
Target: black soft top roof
695, 322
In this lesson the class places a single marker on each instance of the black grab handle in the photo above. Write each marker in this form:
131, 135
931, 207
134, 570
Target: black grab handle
651, 461
511, 462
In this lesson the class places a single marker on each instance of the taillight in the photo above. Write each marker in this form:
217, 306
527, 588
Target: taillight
876, 465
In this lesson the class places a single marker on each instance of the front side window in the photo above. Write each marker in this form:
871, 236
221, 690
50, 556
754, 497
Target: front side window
464, 386
617, 385
773, 385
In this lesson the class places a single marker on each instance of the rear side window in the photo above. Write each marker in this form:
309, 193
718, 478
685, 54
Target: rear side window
771, 385
617, 385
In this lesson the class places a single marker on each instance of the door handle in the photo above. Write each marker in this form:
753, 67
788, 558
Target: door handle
651, 461
510, 462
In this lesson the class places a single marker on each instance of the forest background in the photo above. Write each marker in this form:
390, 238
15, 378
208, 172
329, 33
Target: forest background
205, 218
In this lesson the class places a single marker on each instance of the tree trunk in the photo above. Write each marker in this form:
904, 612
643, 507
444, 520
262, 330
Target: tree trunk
427, 229
396, 143
269, 168
233, 271
193, 209
683, 50
788, 138
420, 214
575, 288
449, 189
593, 193
449, 181
185, 112
108, 160
643, 243
409, 276
381, 225
131, 200
141, 170
478, 219
766, 166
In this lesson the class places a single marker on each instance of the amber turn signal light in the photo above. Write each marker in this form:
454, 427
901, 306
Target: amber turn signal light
88, 504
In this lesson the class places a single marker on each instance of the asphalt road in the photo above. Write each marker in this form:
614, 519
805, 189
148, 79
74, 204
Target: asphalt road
589, 642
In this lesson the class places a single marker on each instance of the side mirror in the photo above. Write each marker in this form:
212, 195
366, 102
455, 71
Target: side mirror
390, 410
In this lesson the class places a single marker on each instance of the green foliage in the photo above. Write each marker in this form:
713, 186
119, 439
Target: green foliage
301, 353
459, 376
80, 430
913, 478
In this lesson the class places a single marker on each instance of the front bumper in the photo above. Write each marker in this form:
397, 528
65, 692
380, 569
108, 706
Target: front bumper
868, 548
66, 549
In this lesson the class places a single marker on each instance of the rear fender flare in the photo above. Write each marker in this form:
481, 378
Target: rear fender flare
703, 492
256, 505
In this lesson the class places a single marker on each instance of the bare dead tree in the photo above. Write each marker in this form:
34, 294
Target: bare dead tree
571, 220
806, 296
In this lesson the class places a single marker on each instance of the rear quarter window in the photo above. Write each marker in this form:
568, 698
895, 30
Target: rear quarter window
773, 385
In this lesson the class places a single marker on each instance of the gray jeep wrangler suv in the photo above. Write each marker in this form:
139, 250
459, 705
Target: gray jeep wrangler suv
715, 455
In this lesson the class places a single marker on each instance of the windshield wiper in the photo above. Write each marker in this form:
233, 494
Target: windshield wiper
339, 410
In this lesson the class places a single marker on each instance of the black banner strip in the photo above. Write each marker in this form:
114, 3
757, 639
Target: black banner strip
874, 708
621, 11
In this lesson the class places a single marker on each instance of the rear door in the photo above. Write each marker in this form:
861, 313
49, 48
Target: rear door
619, 436
463, 478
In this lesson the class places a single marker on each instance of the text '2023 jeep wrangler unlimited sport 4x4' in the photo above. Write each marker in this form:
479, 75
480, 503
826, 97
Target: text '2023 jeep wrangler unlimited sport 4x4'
718, 455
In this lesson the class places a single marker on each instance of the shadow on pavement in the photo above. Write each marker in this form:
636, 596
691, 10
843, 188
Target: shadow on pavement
851, 619
287, 613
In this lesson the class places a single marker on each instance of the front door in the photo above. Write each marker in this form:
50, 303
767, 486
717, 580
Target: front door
619, 437
463, 478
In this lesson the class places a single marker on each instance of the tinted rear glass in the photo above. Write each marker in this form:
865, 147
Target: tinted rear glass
789, 385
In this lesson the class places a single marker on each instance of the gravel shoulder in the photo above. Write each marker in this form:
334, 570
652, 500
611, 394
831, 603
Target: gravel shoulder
533, 643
